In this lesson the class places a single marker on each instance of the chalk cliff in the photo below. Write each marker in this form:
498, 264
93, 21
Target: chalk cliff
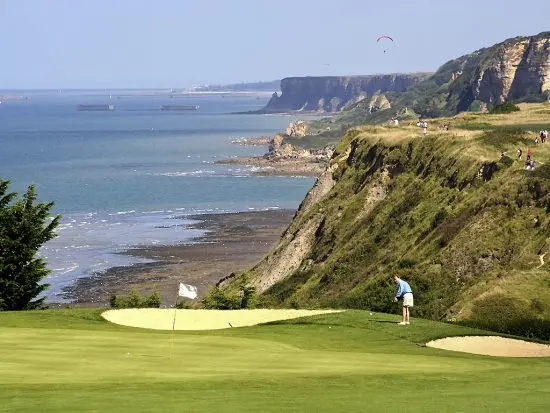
334, 93
515, 69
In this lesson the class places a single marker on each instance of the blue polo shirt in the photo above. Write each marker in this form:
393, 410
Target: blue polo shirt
402, 289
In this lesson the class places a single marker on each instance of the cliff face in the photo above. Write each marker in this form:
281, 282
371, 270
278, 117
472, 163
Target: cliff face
517, 69
333, 93
512, 70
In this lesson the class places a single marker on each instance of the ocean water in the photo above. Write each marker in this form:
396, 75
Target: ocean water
130, 177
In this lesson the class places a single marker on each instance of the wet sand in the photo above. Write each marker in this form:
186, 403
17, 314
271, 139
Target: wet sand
233, 242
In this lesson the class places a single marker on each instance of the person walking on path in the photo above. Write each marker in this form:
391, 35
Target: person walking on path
529, 154
519, 153
404, 290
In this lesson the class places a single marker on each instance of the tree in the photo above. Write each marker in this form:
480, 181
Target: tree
24, 227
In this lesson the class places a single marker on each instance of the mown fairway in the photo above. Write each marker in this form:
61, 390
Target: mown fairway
73, 361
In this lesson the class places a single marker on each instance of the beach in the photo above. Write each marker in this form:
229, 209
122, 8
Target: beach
231, 242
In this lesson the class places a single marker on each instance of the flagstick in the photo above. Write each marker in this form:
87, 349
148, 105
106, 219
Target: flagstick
184, 290
173, 326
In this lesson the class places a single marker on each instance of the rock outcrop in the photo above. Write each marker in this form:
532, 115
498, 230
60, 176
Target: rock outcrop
278, 149
379, 102
334, 93
297, 129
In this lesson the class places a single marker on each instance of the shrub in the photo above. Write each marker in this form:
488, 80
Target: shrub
439, 217
476, 106
506, 107
249, 297
219, 299
183, 305
377, 295
507, 315
115, 301
153, 301
135, 300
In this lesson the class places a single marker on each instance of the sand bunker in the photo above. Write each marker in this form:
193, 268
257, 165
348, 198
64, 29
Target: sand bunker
492, 346
162, 319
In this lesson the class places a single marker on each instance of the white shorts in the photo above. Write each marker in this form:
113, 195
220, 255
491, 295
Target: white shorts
408, 300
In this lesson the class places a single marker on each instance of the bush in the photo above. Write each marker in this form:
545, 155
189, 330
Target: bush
153, 301
135, 300
377, 295
183, 305
219, 299
249, 297
476, 106
506, 107
115, 301
507, 315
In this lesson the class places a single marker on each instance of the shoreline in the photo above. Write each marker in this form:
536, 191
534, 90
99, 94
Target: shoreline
281, 158
232, 242
279, 167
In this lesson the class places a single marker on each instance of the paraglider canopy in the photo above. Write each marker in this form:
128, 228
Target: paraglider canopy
384, 38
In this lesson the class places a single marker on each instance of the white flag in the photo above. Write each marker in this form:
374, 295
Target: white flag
186, 290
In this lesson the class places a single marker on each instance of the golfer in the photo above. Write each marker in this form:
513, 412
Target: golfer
404, 290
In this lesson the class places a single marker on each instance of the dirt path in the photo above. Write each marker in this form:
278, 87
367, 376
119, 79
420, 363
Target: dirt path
541, 258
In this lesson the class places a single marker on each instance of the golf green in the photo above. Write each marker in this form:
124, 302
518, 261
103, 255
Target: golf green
74, 361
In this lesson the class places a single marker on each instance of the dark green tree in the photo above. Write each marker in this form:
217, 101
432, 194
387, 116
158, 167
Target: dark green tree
25, 226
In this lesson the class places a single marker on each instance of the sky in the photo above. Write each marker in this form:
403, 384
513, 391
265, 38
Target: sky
58, 44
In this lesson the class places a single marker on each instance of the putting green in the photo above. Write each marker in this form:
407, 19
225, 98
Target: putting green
163, 319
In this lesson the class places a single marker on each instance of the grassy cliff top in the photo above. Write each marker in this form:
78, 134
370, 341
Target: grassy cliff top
483, 136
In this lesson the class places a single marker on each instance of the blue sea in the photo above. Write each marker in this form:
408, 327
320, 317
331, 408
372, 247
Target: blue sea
129, 177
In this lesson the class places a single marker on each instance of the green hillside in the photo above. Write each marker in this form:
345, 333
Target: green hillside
73, 361
452, 212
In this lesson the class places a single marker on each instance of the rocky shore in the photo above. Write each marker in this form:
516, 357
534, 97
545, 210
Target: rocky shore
279, 167
231, 242
282, 158
259, 141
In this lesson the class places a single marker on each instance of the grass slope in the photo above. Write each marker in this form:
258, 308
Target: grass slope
454, 213
72, 361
